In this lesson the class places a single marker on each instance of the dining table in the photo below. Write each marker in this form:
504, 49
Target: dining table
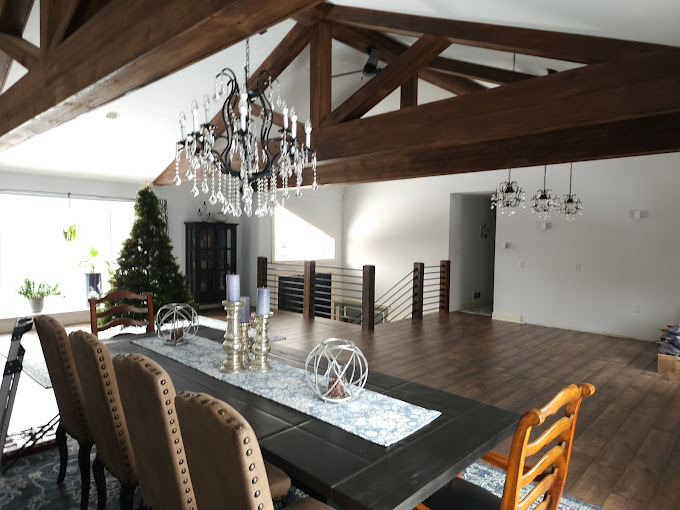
336, 466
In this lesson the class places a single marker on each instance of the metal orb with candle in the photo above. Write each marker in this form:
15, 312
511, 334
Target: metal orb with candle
176, 323
336, 370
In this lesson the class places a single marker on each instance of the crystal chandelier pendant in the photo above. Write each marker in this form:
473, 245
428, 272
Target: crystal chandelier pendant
508, 197
571, 205
245, 155
544, 202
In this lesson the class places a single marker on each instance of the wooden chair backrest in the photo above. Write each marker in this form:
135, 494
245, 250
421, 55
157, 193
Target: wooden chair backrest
118, 309
519, 475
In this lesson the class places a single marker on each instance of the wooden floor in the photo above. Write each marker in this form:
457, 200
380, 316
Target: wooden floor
627, 450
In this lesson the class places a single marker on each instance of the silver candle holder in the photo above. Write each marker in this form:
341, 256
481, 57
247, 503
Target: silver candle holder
247, 343
260, 362
233, 345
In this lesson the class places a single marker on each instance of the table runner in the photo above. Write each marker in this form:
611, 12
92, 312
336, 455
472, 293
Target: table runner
372, 416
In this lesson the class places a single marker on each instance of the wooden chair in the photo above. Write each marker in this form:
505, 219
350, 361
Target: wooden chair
106, 417
73, 420
116, 310
148, 397
225, 457
460, 494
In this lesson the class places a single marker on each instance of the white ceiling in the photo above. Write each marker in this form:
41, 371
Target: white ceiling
140, 143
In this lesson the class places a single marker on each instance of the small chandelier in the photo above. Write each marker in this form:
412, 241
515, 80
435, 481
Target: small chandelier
544, 202
571, 204
508, 196
245, 160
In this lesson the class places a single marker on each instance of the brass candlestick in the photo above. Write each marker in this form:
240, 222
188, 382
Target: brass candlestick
233, 345
261, 344
247, 343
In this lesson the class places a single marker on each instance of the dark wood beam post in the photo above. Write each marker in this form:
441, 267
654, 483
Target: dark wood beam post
444, 285
368, 299
261, 272
409, 92
320, 71
308, 292
418, 285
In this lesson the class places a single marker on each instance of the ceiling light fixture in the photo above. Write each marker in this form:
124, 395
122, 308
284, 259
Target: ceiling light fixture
571, 204
247, 159
544, 202
112, 115
509, 195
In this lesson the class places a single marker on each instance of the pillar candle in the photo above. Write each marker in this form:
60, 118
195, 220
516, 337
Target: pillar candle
262, 307
233, 288
245, 311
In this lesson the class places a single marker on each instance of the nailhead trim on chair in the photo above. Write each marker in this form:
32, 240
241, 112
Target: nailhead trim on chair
154, 371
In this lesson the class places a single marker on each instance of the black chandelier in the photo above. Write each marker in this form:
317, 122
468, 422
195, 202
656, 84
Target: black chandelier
544, 202
571, 204
246, 159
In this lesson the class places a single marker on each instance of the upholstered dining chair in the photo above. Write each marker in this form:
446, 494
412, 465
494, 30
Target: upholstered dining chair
106, 417
225, 457
146, 307
148, 397
67, 388
460, 494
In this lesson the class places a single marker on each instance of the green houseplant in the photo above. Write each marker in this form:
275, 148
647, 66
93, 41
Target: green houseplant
37, 294
93, 281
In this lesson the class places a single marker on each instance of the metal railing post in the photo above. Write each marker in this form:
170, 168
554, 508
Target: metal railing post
261, 272
368, 299
418, 285
444, 285
308, 293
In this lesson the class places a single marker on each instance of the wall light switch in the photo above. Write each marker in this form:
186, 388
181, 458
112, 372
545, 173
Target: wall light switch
638, 214
505, 245
545, 225
636, 308
577, 267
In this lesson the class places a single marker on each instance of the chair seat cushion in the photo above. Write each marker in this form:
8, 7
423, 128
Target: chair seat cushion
462, 495
279, 482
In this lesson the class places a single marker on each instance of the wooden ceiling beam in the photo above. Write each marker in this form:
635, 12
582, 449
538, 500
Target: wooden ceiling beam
123, 47
55, 18
656, 134
320, 72
283, 55
541, 43
13, 18
409, 92
20, 50
636, 87
390, 49
380, 86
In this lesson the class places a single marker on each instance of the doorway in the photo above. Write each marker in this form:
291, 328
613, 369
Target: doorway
472, 252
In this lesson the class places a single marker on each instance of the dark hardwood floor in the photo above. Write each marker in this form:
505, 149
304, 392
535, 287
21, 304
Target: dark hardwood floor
626, 453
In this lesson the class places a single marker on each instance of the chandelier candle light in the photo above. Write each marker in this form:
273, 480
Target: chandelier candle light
544, 202
247, 159
571, 204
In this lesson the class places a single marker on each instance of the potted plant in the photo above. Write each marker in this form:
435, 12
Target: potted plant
37, 295
70, 232
93, 281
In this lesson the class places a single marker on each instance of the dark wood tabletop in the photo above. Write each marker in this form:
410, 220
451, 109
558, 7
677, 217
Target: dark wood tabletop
343, 469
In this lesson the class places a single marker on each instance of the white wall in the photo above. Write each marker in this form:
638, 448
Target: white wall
471, 256
323, 208
623, 262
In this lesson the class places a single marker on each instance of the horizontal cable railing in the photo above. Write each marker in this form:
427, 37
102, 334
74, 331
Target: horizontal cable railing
348, 294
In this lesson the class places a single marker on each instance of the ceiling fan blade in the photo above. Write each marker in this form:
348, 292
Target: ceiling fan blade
348, 73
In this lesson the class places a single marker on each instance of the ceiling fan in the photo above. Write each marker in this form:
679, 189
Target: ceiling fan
370, 67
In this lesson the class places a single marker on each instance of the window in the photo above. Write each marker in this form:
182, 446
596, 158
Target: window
297, 239
33, 245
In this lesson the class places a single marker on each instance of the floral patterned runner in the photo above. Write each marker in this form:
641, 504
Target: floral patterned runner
372, 416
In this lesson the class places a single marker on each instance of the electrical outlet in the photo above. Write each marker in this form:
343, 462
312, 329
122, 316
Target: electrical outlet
477, 295
636, 308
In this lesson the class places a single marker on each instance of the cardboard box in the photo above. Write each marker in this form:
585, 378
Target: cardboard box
669, 364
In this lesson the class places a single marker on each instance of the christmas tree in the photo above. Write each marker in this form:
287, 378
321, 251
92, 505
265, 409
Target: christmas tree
146, 263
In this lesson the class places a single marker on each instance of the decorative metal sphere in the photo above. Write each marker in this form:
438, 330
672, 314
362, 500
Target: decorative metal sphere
336, 370
176, 323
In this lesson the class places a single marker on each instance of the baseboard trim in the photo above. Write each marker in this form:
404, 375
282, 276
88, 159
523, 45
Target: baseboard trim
508, 317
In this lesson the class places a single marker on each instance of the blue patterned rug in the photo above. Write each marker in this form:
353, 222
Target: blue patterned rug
31, 484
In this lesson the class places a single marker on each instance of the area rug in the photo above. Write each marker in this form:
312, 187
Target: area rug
31, 484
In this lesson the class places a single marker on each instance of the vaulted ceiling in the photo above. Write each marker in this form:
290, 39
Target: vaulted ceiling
467, 83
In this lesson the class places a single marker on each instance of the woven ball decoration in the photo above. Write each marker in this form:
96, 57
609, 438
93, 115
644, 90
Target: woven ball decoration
176, 323
336, 370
